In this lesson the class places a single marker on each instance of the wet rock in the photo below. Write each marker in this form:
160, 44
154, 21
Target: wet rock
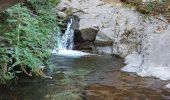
76, 20
77, 36
84, 46
89, 34
84, 39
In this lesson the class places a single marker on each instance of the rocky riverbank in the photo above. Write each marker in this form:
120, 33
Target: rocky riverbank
107, 27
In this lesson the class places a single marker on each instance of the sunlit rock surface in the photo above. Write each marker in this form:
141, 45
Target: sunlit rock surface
130, 32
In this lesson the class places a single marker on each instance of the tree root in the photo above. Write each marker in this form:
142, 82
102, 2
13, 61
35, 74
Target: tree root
38, 72
25, 71
41, 73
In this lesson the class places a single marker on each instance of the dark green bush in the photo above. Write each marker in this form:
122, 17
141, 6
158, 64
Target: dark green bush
27, 33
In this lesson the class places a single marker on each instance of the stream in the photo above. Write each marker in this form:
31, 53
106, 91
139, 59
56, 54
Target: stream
84, 76
90, 77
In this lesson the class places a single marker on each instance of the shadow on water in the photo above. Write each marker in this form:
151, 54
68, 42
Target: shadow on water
87, 78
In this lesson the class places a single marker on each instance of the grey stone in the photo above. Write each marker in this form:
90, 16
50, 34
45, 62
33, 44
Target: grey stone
89, 34
130, 32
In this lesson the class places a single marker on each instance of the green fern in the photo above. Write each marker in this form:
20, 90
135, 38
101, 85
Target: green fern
26, 38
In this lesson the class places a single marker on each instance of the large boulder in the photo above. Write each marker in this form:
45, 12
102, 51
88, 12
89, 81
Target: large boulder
89, 34
84, 39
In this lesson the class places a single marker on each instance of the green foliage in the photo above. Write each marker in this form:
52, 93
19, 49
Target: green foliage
27, 33
150, 8
53, 1
41, 2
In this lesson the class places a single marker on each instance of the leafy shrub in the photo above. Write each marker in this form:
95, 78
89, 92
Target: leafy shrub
27, 33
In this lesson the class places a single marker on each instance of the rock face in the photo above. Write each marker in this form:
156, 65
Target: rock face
144, 42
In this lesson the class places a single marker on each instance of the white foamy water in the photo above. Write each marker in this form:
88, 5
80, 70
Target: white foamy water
67, 40
66, 44
70, 53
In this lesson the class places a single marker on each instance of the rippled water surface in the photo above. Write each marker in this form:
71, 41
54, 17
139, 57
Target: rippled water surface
87, 78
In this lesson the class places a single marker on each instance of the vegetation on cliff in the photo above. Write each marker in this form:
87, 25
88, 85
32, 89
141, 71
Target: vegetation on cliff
27, 32
151, 7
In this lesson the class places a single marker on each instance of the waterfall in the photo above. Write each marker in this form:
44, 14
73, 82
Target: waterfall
67, 40
66, 43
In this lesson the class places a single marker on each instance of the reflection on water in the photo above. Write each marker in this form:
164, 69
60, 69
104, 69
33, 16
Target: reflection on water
87, 78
